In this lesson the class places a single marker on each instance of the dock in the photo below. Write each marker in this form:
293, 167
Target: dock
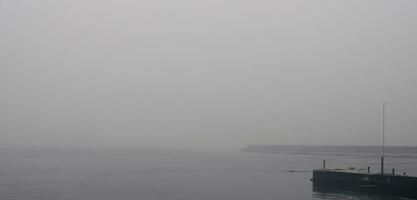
385, 183
381, 183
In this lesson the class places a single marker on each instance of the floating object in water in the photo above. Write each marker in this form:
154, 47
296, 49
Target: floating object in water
294, 171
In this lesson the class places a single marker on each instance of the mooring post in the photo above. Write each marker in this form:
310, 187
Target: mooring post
324, 164
382, 164
393, 171
369, 169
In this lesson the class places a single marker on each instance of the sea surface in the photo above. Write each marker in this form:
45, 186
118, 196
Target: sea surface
175, 174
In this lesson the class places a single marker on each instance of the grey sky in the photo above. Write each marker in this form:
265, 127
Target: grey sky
206, 73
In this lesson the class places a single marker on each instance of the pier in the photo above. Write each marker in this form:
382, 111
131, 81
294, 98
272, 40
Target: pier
387, 183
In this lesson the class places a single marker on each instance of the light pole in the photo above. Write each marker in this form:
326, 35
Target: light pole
383, 137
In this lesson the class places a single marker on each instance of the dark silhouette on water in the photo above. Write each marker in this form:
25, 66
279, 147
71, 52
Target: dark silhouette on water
379, 183
383, 183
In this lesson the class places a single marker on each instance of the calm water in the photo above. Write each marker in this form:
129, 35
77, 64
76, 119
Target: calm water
114, 174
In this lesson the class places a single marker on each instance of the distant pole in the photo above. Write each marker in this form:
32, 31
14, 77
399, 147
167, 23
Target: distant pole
383, 128
383, 137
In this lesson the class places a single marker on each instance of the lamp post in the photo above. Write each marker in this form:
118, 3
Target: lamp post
383, 137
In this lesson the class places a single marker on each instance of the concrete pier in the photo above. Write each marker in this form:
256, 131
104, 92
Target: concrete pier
392, 183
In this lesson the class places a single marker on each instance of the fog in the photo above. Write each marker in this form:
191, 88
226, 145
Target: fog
212, 74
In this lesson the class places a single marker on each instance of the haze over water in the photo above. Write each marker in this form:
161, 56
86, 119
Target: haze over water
135, 99
169, 174
218, 73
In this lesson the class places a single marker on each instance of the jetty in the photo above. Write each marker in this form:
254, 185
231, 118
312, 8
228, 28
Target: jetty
380, 183
385, 183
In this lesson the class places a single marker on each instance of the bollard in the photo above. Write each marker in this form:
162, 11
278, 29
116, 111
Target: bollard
369, 169
324, 164
382, 164
393, 171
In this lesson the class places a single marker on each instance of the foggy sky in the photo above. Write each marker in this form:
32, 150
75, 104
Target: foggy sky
218, 73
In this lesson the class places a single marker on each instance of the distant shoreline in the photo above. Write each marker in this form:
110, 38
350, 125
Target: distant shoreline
333, 150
